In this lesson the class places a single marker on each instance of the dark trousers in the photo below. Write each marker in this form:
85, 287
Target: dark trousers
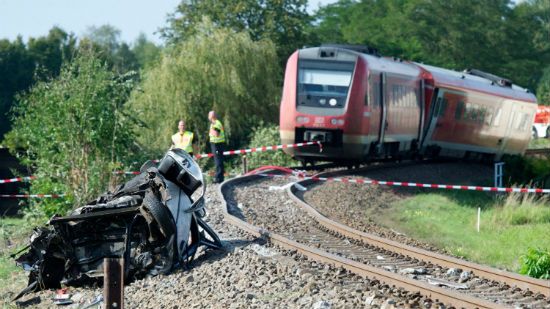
217, 150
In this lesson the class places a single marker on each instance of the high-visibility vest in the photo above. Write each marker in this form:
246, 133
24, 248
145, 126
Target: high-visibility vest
213, 134
183, 141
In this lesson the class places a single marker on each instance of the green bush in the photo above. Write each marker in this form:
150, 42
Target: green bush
536, 263
267, 135
73, 132
523, 170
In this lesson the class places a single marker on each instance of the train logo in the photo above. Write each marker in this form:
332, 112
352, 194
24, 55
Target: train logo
362, 106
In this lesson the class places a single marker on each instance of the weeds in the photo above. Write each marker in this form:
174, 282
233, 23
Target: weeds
521, 209
536, 263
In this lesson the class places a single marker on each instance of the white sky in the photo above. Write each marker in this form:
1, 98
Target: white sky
36, 17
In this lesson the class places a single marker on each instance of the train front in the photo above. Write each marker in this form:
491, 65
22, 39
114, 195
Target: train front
320, 88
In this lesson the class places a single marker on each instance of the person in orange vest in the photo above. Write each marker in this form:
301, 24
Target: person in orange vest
217, 142
183, 139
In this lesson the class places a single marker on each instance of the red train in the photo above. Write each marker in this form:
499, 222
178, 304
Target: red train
362, 106
541, 126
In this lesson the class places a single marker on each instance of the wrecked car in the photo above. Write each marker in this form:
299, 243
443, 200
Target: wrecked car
154, 221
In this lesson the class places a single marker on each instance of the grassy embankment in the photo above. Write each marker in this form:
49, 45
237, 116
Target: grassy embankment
14, 234
539, 143
509, 224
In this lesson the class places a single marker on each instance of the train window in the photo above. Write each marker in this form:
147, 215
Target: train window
443, 107
459, 110
474, 112
488, 117
523, 123
322, 82
496, 122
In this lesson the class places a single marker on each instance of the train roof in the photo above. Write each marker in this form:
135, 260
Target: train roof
467, 81
474, 80
336, 52
391, 65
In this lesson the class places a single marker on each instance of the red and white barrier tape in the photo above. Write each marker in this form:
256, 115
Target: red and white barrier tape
240, 151
32, 195
261, 149
17, 179
411, 184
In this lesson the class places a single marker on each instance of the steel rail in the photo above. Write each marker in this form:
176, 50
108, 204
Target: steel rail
453, 298
537, 151
512, 279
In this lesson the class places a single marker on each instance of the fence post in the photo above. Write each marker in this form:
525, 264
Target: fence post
245, 167
113, 283
499, 173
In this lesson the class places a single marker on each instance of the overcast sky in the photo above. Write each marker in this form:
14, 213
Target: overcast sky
36, 17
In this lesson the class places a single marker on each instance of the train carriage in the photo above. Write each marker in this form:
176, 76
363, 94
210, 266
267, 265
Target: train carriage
362, 106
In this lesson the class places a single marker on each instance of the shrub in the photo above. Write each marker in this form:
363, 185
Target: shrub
536, 263
266, 135
525, 170
73, 132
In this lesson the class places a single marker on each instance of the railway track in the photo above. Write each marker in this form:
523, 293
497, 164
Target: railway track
537, 151
435, 276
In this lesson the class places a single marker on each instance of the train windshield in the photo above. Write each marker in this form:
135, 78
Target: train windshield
323, 83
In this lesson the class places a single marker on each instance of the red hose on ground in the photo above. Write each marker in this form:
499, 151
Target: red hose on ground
270, 167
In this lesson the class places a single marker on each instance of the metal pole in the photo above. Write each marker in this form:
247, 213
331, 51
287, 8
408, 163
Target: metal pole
478, 218
499, 174
113, 283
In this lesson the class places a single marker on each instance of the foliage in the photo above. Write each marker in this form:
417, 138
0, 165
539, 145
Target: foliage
284, 22
14, 235
543, 89
105, 40
520, 209
525, 170
494, 36
536, 263
73, 131
446, 223
216, 69
21, 65
266, 135
146, 52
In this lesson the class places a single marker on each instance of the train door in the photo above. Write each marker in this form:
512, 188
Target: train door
383, 124
434, 113
372, 112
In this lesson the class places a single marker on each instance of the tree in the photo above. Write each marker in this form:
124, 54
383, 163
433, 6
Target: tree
105, 39
49, 52
543, 89
492, 35
73, 131
146, 52
215, 69
16, 72
284, 22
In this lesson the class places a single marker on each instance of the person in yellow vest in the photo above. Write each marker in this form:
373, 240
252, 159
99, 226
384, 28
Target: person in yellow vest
217, 141
183, 139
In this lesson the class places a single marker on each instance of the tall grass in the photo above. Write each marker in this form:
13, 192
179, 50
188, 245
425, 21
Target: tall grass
521, 209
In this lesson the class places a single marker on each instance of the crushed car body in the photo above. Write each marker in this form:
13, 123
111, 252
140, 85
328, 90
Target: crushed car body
152, 221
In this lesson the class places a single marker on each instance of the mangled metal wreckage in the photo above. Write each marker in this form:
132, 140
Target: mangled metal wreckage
151, 221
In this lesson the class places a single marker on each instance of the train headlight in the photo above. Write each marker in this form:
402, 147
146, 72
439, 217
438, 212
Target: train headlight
341, 122
333, 121
301, 119
323, 101
332, 102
